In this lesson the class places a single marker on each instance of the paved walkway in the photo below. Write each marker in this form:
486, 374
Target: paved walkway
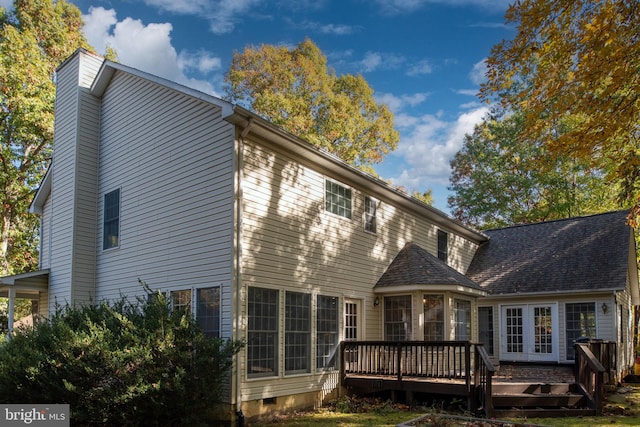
534, 373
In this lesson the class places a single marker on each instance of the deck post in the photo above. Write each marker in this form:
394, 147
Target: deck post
467, 368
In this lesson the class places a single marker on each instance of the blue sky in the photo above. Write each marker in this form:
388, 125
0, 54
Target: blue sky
423, 58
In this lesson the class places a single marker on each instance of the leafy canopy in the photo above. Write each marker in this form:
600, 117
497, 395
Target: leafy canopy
294, 89
580, 60
35, 37
496, 181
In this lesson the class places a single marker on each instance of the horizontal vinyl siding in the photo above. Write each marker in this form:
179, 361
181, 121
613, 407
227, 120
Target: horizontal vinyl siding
171, 156
63, 188
45, 235
291, 243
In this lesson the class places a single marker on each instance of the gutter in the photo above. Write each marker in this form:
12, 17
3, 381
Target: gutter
238, 260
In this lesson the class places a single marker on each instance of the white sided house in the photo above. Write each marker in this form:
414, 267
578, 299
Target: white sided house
267, 239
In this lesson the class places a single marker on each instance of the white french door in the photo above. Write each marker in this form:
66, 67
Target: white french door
529, 332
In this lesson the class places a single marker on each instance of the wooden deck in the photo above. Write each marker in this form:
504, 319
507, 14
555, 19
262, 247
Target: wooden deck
462, 369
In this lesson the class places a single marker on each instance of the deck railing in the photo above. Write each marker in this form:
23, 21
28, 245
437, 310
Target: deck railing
430, 359
482, 380
590, 376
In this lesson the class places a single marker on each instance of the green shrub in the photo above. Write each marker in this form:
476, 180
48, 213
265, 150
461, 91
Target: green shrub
118, 364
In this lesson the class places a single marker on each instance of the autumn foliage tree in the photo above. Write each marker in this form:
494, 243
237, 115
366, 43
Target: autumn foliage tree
294, 89
496, 181
579, 61
35, 37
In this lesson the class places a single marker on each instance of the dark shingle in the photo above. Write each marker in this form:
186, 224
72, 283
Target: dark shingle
415, 266
585, 253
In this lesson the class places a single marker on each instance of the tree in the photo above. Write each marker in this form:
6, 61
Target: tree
35, 37
496, 180
580, 59
294, 89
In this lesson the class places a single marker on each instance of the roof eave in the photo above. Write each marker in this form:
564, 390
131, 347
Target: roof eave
37, 204
429, 288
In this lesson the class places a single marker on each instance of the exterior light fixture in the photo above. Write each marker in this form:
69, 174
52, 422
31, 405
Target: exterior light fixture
376, 302
604, 308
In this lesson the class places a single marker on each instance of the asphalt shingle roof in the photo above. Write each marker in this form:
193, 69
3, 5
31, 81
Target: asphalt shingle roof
576, 254
415, 266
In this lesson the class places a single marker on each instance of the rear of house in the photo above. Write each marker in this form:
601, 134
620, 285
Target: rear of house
555, 282
262, 236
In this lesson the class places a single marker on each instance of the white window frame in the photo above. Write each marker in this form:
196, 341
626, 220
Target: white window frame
406, 321
295, 349
327, 340
273, 334
370, 220
427, 321
443, 252
331, 206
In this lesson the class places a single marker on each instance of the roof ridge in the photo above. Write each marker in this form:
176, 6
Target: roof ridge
550, 221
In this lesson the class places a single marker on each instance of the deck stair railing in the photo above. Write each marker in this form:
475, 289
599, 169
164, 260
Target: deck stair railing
590, 376
482, 380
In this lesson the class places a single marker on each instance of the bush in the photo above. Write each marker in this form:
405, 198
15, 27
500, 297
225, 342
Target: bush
118, 364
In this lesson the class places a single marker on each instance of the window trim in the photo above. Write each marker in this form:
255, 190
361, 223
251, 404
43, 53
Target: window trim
456, 322
328, 181
294, 333
570, 331
196, 304
443, 300
408, 323
106, 243
374, 216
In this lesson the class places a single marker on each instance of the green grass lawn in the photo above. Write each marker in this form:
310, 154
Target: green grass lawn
621, 409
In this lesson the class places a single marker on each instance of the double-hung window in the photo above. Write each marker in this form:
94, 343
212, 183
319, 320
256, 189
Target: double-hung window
326, 331
433, 317
370, 213
111, 220
262, 339
443, 246
207, 308
297, 333
337, 199
462, 319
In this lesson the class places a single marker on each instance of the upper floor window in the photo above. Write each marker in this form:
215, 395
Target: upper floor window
370, 211
111, 226
443, 243
337, 199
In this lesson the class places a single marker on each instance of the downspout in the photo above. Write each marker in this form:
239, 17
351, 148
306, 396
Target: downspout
238, 285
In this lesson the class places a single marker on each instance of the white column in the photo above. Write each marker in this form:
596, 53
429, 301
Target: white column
12, 302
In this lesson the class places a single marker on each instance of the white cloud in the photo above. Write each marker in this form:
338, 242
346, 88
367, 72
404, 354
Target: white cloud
427, 145
406, 6
398, 103
152, 52
478, 73
373, 61
422, 67
223, 15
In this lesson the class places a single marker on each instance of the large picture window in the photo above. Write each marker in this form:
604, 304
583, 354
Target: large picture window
433, 317
297, 334
397, 318
326, 332
337, 199
581, 322
262, 339
111, 220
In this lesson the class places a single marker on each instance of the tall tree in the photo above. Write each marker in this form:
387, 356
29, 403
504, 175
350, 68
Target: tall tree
581, 59
496, 180
35, 37
294, 88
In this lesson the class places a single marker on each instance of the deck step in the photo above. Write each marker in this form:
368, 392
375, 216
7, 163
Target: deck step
542, 412
534, 388
528, 400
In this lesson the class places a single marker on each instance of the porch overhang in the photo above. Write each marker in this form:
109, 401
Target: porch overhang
25, 285
430, 288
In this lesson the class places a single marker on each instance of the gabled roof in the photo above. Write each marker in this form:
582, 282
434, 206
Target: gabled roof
414, 267
572, 255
